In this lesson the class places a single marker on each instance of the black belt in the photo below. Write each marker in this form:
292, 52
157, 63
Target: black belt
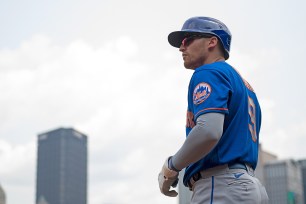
197, 176
237, 166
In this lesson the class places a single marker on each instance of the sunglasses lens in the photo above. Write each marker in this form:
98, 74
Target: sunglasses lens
186, 41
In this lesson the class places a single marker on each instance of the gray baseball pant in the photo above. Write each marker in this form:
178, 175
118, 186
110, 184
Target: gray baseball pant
229, 186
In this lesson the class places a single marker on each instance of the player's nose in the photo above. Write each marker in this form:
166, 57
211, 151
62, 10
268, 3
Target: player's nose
182, 48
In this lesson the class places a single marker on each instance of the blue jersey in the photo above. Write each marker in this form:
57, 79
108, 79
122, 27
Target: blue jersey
219, 88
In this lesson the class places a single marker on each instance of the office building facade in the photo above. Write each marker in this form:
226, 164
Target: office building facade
2, 196
284, 182
303, 172
263, 159
61, 167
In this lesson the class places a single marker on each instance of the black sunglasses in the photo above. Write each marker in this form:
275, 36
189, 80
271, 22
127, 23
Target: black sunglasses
189, 39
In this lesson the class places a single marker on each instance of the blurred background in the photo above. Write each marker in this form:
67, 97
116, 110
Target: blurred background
106, 69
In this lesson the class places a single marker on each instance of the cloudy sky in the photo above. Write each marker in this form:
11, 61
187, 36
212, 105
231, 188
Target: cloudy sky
106, 69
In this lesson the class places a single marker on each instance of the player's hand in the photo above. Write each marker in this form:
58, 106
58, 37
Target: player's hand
166, 179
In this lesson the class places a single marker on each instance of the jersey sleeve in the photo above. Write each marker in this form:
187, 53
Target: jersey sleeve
209, 91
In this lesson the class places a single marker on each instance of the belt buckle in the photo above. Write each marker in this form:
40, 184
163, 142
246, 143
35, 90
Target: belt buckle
190, 183
197, 176
237, 166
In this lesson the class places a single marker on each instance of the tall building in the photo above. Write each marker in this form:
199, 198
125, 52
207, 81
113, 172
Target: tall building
284, 182
61, 167
263, 159
303, 171
2, 196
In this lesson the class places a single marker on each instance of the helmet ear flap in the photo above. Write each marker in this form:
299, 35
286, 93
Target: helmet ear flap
225, 37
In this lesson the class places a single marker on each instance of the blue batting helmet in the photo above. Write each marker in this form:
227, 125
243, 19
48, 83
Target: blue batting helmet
206, 25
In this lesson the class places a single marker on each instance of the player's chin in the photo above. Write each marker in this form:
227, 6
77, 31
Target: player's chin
188, 65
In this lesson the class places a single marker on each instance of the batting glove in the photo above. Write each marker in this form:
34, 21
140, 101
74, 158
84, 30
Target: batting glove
166, 179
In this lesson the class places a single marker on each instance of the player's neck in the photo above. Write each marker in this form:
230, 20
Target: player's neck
213, 59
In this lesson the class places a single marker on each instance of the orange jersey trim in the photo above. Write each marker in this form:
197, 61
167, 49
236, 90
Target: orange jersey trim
246, 83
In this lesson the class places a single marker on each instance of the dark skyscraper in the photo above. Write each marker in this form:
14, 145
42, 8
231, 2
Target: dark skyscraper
62, 167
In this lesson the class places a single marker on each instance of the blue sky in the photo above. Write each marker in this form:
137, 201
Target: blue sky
106, 69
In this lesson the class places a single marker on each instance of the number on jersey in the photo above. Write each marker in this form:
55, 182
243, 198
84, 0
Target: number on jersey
252, 124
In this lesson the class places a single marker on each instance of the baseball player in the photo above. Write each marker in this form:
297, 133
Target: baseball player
222, 125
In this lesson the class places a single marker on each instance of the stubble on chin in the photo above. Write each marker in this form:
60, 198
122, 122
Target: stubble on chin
188, 66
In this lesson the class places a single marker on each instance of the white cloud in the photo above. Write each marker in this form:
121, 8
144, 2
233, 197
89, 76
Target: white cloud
126, 47
267, 109
133, 113
30, 54
17, 172
15, 157
286, 140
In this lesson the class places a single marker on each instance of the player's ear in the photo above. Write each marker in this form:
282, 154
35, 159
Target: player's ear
213, 41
